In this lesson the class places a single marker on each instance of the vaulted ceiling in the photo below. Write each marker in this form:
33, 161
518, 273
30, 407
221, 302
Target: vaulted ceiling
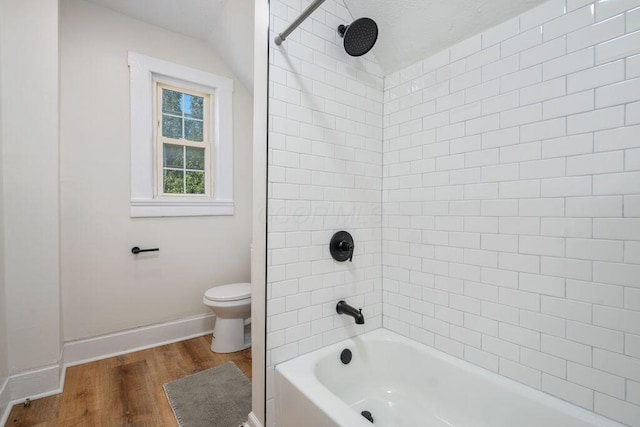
226, 25
409, 29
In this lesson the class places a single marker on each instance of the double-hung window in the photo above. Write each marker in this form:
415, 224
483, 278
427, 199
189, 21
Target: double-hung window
183, 143
181, 140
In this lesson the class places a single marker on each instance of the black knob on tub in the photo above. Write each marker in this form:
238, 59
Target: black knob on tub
345, 356
341, 246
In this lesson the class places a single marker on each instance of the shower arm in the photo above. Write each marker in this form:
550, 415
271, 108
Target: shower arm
305, 14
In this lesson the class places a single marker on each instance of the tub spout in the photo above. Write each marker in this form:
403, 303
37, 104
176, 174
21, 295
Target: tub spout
344, 308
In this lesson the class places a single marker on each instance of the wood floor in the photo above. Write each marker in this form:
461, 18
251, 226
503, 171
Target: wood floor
125, 390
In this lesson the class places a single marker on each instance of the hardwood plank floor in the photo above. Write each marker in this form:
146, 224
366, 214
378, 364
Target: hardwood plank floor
125, 390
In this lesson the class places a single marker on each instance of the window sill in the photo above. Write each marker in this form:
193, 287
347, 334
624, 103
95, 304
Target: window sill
158, 208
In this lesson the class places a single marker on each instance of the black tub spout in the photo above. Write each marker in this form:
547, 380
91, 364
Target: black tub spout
344, 308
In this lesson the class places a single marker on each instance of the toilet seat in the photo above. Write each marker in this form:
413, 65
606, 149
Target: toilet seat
231, 292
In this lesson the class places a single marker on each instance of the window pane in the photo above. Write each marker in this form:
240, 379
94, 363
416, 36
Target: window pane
171, 127
195, 158
193, 106
195, 182
173, 181
171, 102
173, 156
193, 130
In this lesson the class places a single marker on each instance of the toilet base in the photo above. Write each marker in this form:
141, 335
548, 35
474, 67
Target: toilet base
228, 336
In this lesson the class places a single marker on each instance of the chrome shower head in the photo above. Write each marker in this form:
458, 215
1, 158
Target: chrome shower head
360, 36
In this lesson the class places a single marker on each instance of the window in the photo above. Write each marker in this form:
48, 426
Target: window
181, 140
183, 146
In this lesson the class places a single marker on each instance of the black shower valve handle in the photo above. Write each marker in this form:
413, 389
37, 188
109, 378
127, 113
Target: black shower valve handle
346, 246
350, 250
341, 246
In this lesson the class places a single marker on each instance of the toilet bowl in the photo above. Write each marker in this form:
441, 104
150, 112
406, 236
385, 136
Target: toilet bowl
232, 307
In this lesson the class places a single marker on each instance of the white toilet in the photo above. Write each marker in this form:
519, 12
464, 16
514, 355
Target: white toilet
232, 307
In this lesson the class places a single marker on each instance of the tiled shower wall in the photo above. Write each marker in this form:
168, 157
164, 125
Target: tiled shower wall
511, 197
325, 175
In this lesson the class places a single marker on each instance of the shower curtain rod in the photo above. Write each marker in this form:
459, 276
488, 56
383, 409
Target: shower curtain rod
305, 14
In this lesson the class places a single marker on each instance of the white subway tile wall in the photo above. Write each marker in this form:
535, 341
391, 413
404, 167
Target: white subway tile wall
520, 235
493, 190
325, 175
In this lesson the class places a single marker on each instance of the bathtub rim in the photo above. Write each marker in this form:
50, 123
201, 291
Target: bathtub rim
300, 373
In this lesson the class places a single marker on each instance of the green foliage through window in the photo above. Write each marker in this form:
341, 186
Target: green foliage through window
173, 181
182, 116
180, 177
183, 166
194, 182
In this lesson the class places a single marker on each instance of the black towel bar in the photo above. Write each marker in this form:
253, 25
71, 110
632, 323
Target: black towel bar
136, 250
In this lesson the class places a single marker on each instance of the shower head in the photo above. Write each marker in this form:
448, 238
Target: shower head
360, 36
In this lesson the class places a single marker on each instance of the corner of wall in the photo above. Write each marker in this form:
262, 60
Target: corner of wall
4, 371
29, 42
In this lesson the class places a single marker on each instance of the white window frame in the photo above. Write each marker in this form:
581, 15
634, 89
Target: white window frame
145, 71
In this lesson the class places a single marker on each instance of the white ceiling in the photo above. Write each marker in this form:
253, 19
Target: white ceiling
409, 30
226, 25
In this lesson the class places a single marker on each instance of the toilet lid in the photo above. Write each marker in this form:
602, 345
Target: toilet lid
232, 292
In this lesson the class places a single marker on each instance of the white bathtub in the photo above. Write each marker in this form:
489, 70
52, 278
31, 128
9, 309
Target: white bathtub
405, 384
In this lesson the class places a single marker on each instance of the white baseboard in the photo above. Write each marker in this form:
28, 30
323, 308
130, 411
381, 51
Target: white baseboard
5, 399
105, 346
253, 421
49, 380
35, 384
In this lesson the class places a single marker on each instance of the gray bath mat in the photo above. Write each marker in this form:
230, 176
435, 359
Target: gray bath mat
217, 397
